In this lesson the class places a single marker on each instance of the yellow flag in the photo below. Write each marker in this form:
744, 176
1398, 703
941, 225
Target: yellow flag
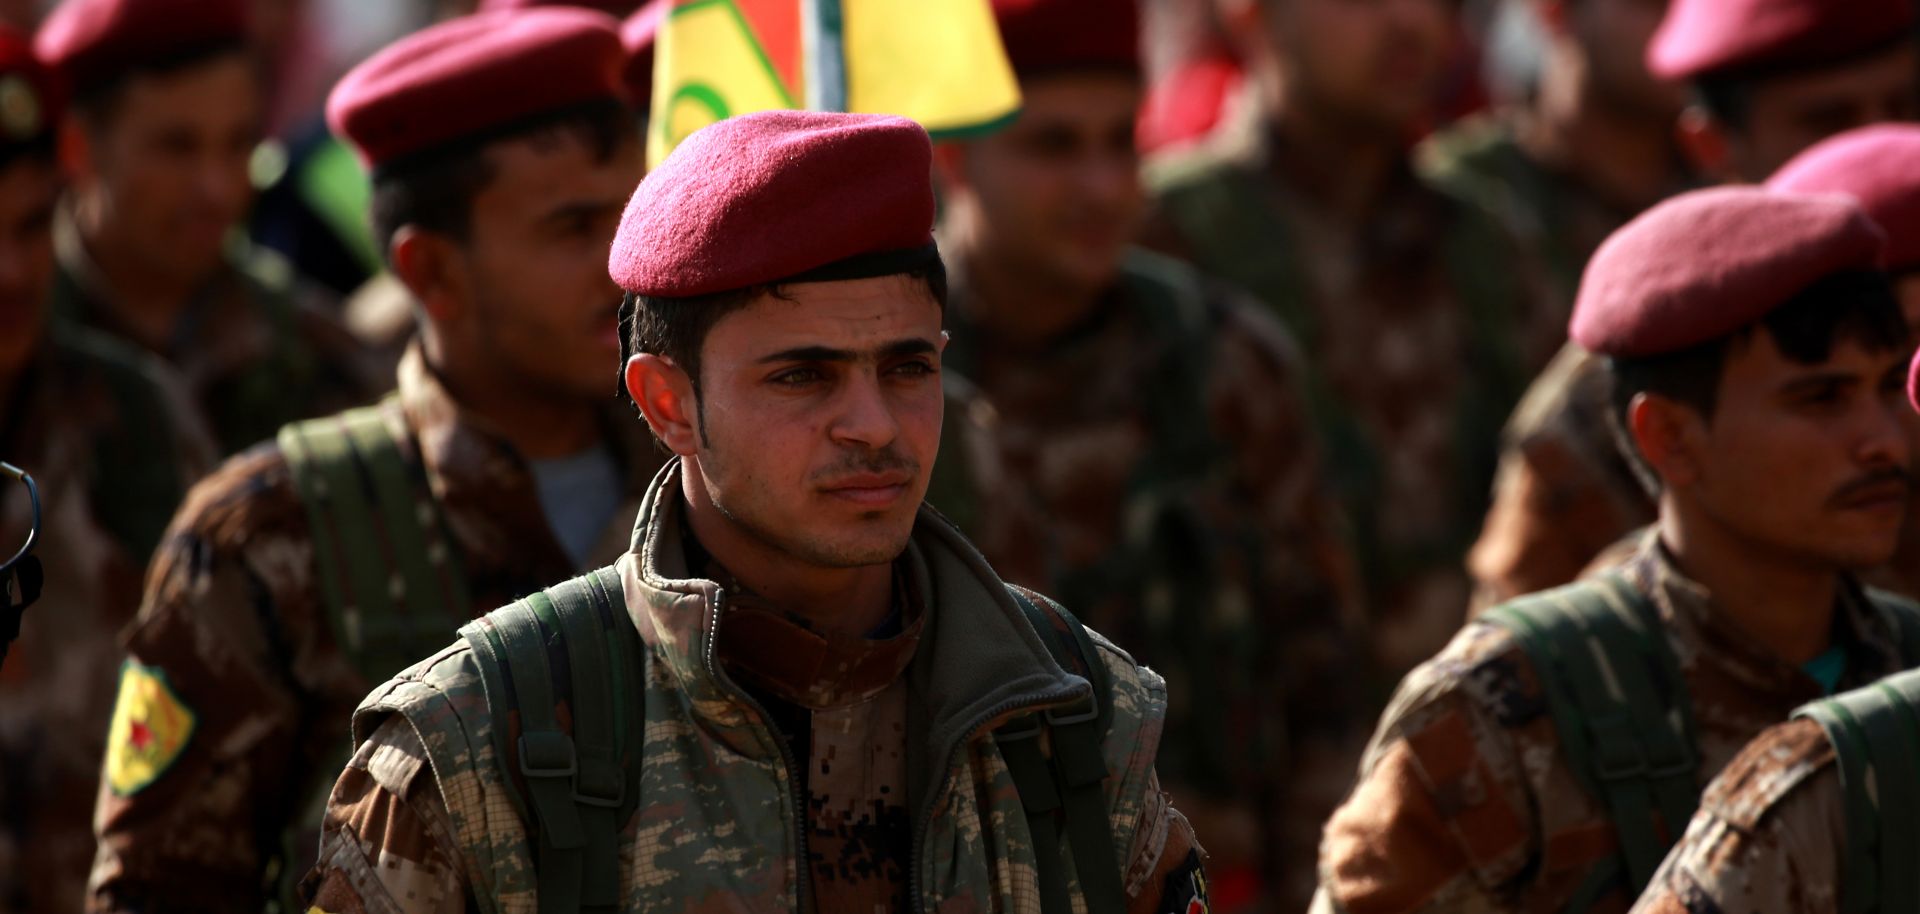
150, 727
939, 62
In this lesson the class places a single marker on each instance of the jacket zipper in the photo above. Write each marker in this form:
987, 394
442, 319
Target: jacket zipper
804, 895
923, 819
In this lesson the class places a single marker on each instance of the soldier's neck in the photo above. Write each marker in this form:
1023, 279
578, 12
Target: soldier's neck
1785, 602
1628, 158
842, 601
539, 426
146, 300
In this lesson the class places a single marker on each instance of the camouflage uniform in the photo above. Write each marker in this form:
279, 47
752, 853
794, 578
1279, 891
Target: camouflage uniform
1769, 837
1415, 330
234, 624
256, 347
113, 443
1222, 568
1466, 801
419, 822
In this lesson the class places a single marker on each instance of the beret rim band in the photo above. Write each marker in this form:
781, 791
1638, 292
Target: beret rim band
400, 165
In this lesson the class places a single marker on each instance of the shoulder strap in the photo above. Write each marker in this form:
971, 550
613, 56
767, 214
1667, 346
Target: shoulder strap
576, 786
1621, 712
1875, 733
1069, 779
1174, 306
389, 571
1233, 231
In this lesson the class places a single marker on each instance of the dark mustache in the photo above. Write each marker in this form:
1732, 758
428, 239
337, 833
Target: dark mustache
881, 461
1872, 480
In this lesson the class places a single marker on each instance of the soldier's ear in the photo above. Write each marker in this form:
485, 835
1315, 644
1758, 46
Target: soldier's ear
950, 166
1662, 431
664, 394
424, 263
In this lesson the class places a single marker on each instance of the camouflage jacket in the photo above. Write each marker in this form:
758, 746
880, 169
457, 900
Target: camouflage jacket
113, 444
420, 823
1769, 837
1166, 442
1416, 329
1465, 802
257, 347
236, 697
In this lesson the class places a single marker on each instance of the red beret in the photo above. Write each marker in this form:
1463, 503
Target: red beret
614, 8
1698, 37
1046, 35
31, 97
466, 77
638, 34
1707, 263
779, 196
92, 42
1880, 167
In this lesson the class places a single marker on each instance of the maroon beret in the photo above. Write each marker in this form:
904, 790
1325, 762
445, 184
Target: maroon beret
1707, 263
92, 42
32, 99
468, 77
779, 196
1877, 165
1698, 37
614, 8
1046, 35
638, 34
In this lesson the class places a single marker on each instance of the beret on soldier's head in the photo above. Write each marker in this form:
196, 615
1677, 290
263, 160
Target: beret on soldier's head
475, 76
32, 100
639, 34
1042, 36
780, 196
1879, 166
93, 42
615, 8
1700, 37
1707, 263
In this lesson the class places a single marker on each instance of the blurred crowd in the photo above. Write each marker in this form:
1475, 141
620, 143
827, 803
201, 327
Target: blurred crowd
1259, 363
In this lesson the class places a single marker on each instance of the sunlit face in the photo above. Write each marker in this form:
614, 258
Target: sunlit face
820, 416
166, 165
1057, 194
1368, 63
541, 307
1787, 114
1807, 462
28, 187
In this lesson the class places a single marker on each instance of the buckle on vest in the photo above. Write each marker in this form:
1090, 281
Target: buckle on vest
1617, 752
599, 784
1072, 714
1024, 727
546, 754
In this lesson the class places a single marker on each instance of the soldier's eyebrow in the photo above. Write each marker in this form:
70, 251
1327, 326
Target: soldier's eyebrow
894, 350
1812, 383
579, 209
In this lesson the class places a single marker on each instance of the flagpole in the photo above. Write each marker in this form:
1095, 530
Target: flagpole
826, 55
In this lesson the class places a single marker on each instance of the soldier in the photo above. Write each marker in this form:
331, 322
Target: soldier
1308, 201
1156, 421
168, 109
786, 598
1773, 78
1593, 146
306, 569
1545, 759
113, 443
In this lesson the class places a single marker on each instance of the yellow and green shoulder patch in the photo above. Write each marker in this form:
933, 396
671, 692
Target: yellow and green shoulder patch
150, 728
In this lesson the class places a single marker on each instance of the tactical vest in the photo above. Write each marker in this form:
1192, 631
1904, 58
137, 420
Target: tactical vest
1223, 209
1622, 713
575, 787
1875, 733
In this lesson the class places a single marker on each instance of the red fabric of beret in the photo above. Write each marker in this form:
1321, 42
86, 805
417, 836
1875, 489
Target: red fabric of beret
32, 100
1708, 36
1707, 263
465, 77
95, 41
768, 197
1879, 166
615, 8
1046, 35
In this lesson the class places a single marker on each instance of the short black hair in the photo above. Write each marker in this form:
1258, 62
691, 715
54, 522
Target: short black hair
1856, 305
434, 191
1728, 95
676, 328
96, 100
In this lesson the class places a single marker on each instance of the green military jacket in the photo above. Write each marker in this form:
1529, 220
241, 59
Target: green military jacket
422, 820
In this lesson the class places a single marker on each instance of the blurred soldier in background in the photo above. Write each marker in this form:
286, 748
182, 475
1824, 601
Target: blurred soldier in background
1156, 420
167, 112
1414, 339
308, 569
113, 442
